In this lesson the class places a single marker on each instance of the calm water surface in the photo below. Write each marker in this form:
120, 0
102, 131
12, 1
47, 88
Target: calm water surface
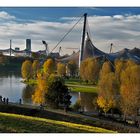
11, 87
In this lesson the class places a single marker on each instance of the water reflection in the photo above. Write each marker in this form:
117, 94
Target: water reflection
27, 93
11, 87
87, 100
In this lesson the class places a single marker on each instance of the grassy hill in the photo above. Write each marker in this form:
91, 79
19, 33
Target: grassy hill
21, 124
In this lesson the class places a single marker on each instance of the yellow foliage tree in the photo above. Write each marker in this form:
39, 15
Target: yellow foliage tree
49, 66
106, 68
26, 69
105, 104
35, 68
90, 69
83, 72
38, 97
119, 67
130, 89
41, 90
61, 69
108, 89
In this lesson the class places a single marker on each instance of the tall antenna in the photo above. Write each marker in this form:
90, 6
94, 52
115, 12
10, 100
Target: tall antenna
83, 40
10, 47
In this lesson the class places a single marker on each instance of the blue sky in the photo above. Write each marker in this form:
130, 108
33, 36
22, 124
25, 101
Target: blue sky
118, 25
54, 13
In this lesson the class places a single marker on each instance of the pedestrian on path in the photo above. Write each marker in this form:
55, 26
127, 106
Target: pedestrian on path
0, 98
7, 101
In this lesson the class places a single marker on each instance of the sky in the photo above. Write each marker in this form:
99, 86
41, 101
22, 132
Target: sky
120, 26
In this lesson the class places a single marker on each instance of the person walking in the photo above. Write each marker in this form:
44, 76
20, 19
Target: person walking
4, 99
0, 98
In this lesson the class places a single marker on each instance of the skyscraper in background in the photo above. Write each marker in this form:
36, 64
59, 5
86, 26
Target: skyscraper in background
28, 46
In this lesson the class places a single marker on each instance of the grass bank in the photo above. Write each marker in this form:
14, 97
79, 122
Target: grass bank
20, 123
76, 88
76, 85
60, 116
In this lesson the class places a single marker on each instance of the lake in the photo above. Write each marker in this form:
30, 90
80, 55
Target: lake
11, 87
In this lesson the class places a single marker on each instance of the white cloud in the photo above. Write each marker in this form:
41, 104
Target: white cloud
121, 30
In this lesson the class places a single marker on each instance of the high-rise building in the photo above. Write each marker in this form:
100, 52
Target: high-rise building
28, 46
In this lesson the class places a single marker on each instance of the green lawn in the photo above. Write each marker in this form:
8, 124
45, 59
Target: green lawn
86, 89
21, 124
76, 86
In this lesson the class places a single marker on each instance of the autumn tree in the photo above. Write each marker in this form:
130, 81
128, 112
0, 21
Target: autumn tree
72, 68
89, 70
121, 65
51, 91
108, 88
49, 66
39, 96
61, 69
35, 68
130, 63
107, 92
106, 68
57, 92
26, 69
130, 89
83, 73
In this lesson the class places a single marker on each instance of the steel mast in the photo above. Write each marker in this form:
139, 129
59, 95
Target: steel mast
83, 40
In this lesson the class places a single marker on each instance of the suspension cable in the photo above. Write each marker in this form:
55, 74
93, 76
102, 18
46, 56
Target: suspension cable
110, 62
67, 33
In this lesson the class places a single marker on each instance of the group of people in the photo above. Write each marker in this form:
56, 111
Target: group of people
4, 100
